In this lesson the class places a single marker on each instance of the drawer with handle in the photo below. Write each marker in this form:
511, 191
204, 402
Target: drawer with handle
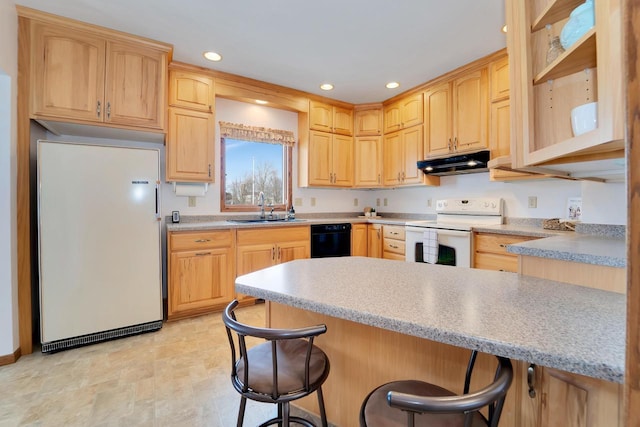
194, 240
393, 232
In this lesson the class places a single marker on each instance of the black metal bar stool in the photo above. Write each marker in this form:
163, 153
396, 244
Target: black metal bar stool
286, 367
417, 403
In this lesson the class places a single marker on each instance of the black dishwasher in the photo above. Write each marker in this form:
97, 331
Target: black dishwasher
329, 240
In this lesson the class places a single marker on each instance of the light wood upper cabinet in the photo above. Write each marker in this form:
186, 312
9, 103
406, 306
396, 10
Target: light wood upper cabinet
330, 160
499, 75
191, 90
368, 161
457, 114
401, 152
330, 118
190, 146
589, 70
500, 132
404, 113
84, 77
368, 121
201, 272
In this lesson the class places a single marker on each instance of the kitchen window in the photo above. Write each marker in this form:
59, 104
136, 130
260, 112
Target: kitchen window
255, 160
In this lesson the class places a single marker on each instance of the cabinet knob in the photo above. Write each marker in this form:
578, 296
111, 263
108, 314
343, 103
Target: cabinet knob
108, 109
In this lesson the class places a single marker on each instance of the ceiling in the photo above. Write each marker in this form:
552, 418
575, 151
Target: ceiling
357, 45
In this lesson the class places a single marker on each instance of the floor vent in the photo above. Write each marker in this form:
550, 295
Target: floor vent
68, 343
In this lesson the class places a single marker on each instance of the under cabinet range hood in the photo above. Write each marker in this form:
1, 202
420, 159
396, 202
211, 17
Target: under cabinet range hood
457, 164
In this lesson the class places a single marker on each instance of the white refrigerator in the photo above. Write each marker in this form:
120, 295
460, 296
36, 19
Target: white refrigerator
98, 242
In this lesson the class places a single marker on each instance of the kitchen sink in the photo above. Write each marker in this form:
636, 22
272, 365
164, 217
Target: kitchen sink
263, 220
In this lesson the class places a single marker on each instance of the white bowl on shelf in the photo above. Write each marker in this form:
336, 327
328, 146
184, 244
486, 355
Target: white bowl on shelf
584, 118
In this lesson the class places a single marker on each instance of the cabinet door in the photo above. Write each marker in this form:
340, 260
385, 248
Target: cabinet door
368, 122
412, 111
253, 258
342, 121
135, 85
393, 159
288, 251
359, 240
438, 124
392, 118
470, 105
412, 147
571, 400
191, 90
320, 116
200, 280
342, 161
190, 146
374, 241
67, 73
499, 71
500, 132
368, 161
320, 158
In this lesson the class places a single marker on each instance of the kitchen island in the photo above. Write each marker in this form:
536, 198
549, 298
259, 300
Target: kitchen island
391, 320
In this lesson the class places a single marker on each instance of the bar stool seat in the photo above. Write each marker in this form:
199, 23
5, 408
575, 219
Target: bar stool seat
418, 403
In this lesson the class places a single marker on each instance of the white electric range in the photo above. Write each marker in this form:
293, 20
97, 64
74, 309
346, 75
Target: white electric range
454, 221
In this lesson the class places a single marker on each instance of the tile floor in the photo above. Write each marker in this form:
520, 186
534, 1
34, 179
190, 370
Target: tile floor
177, 376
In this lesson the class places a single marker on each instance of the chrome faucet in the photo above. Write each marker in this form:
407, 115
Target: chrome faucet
261, 204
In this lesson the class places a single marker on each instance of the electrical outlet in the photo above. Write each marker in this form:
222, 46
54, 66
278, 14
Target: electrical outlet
533, 202
313, 201
428, 203
355, 202
298, 201
192, 201
377, 202
385, 201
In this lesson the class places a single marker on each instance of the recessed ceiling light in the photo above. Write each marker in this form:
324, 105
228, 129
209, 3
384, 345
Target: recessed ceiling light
326, 86
504, 29
212, 56
392, 85
261, 102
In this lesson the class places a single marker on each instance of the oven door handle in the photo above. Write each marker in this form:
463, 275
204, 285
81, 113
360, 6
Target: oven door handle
441, 231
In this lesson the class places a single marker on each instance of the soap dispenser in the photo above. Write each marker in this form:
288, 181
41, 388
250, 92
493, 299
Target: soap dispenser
292, 213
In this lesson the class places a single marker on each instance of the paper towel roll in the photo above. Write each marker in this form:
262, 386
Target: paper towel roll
190, 188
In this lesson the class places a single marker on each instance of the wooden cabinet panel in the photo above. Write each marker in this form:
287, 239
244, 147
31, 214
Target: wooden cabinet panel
438, 122
289, 251
500, 132
374, 240
490, 251
67, 73
134, 88
404, 113
330, 159
392, 118
342, 121
359, 240
190, 143
201, 267
342, 161
191, 90
81, 76
393, 232
393, 159
320, 116
393, 242
368, 122
499, 72
368, 161
470, 111
401, 151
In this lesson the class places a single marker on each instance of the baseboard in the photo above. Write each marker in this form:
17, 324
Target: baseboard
10, 358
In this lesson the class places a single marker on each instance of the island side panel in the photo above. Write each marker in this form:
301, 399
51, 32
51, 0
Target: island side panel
363, 357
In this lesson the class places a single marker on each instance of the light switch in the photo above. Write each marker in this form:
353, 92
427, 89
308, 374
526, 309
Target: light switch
533, 202
313, 201
192, 201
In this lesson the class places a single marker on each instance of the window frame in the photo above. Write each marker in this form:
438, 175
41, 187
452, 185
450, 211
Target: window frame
287, 178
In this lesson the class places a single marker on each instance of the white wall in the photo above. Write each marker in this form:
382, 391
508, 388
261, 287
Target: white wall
602, 203
9, 332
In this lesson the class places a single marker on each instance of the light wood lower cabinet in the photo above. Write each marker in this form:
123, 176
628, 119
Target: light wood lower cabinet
490, 251
259, 248
393, 242
558, 398
359, 240
374, 240
200, 272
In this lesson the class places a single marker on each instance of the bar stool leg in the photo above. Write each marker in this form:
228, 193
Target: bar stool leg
285, 413
323, 414
243, 404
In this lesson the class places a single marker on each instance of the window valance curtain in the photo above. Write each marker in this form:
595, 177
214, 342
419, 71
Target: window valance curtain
256, 134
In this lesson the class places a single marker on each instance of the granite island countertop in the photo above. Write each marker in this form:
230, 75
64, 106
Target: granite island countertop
567, 327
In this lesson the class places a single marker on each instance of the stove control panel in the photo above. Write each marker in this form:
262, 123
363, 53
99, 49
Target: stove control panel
480, 206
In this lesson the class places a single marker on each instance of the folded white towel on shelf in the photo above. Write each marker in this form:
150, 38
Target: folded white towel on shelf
430, 246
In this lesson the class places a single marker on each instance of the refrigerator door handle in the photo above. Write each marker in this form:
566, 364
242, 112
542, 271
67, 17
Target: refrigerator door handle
157, 203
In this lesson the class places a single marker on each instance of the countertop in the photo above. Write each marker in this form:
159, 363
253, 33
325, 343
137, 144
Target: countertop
571, 328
